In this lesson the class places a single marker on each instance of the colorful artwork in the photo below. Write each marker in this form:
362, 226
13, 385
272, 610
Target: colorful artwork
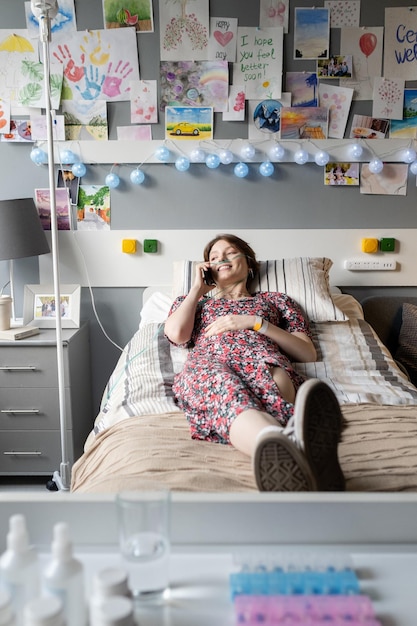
19, 131
392, 181
236, 105
126, 13
31, 88
184, 123
62, 206
366, 127
195, 83
304, 123
134, 133
311, 33
259, 62
4, 116
388, 98
340, 174
223, 35
365, 46
338, 101
274, 13
338, 66
98, 64
15, 47
265, 117
93, 209
184, 28
343, 13
85, 120
407, 126
62, 25
303, 87
143, 102
400, 59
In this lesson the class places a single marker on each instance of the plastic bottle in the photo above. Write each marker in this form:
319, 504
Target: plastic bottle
6, 610
19, 568
63, 577
44, 612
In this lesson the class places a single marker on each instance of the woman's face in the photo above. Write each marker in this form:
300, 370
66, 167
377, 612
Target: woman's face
228, 264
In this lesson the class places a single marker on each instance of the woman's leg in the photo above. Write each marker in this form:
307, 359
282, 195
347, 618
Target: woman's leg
246, 427
284, 384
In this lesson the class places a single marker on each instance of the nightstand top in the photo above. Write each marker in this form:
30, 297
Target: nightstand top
46, 336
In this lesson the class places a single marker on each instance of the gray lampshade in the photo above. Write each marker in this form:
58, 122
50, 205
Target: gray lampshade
21, 232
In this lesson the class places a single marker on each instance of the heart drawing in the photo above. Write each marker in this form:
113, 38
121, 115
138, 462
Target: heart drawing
223, 38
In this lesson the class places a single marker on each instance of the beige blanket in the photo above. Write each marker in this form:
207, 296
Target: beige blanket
378, 452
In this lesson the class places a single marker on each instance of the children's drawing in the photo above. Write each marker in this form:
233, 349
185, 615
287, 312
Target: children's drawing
4, 116
274, 13
392, 181
194, 83
98, 64
93, 209
63, 24
85, 120
40, 131
189, 123
304, 123
134, 133
388, 98
264, 117
143, 102
259, 62
407, 126
366, 127
222, 42
365, 46
19, 131
31, 89
303, 88
400, 59
125, 13
184, 28
343, 13
15, 47
311, 33
236, 105
340, 174
338, 101
62, 206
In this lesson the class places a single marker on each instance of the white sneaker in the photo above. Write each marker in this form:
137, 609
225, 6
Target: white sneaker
317, 425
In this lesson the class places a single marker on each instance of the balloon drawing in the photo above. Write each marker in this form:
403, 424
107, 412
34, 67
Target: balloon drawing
367, 43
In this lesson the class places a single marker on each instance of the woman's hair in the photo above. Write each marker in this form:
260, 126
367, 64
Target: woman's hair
242, 246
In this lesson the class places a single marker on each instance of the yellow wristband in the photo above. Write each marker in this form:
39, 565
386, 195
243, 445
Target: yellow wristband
258, 323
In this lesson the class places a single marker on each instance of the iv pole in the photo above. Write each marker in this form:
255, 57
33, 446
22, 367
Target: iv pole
45, 11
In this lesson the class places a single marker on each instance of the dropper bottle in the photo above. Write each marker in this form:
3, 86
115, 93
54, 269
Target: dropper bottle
19, 568
63, 577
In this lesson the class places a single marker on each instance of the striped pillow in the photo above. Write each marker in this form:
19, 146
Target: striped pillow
305, 279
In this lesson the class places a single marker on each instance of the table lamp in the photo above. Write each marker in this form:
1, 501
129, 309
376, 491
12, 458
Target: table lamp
21, 235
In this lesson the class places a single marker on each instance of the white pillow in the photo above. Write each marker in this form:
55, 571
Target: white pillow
305, 279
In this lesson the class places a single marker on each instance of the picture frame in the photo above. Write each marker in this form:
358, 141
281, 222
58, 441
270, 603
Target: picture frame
39, 306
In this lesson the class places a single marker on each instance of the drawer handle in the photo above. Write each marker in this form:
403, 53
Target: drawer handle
17, 368
20, 411
16, 453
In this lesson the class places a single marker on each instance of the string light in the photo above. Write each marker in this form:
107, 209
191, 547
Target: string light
266, 169
301, 156
182, 163
112, 180
247, 151
38, 156
241, 170
355, 151
137, 177
413, 167
277, 152
321, 157
375, 165
68, 157
197, 155
162, 154
409, 155
79, 169
212, 161
226, 156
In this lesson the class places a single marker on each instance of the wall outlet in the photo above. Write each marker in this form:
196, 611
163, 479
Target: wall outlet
370, 266
150, 245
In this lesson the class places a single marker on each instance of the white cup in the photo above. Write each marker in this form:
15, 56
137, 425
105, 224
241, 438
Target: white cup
5, 312
144, 541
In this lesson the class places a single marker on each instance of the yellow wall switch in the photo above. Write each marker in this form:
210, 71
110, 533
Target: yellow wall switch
370, 245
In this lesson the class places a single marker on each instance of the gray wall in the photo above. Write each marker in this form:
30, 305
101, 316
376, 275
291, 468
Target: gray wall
294, 197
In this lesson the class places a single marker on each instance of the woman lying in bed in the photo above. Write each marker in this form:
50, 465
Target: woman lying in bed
238, 385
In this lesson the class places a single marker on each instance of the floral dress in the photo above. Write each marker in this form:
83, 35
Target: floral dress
228, 373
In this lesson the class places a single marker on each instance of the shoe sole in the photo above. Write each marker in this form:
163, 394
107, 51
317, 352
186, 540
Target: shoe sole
280, 466
322, 432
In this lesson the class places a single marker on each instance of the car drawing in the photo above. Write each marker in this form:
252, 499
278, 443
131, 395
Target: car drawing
184, 128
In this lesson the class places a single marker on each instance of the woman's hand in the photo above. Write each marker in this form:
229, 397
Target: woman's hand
225, 323
199, 285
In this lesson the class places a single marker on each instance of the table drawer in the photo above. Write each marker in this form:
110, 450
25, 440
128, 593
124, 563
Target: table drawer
29, 367
30, 452
31, 409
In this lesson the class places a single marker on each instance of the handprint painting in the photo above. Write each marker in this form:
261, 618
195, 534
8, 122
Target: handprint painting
98, 64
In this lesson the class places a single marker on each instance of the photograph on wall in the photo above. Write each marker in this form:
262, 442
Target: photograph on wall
259, 62
143, 102
93, 209
337, 100
62, 206
274, 13
264, 117
406, 128
85, 121
194, 83
400, 58
136, 14
20, 130
222, 41
65, 178
365, 45
392, 181
303, 87
184, 30
340, 174
112, 63
189, 123
367, 127
388, 98
63, 24
343, 13
311, 33
337, 66
304, 122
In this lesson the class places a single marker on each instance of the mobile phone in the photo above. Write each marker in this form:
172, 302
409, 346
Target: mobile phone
208, 277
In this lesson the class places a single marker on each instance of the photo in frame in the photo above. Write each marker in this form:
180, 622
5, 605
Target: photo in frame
39, 307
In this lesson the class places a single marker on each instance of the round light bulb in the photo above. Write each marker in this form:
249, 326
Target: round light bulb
376, 165
198, 155
241, 170
38, 156
266, 168
212, 161
162, 154
409, 155
226, 156
248, 151
301, 157
182, 164
321, 158
413, 167
112, 180
68, 157
137, 177
277, 152
355, 151
79, 169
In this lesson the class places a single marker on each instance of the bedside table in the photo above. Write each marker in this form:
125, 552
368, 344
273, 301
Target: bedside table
30, 438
